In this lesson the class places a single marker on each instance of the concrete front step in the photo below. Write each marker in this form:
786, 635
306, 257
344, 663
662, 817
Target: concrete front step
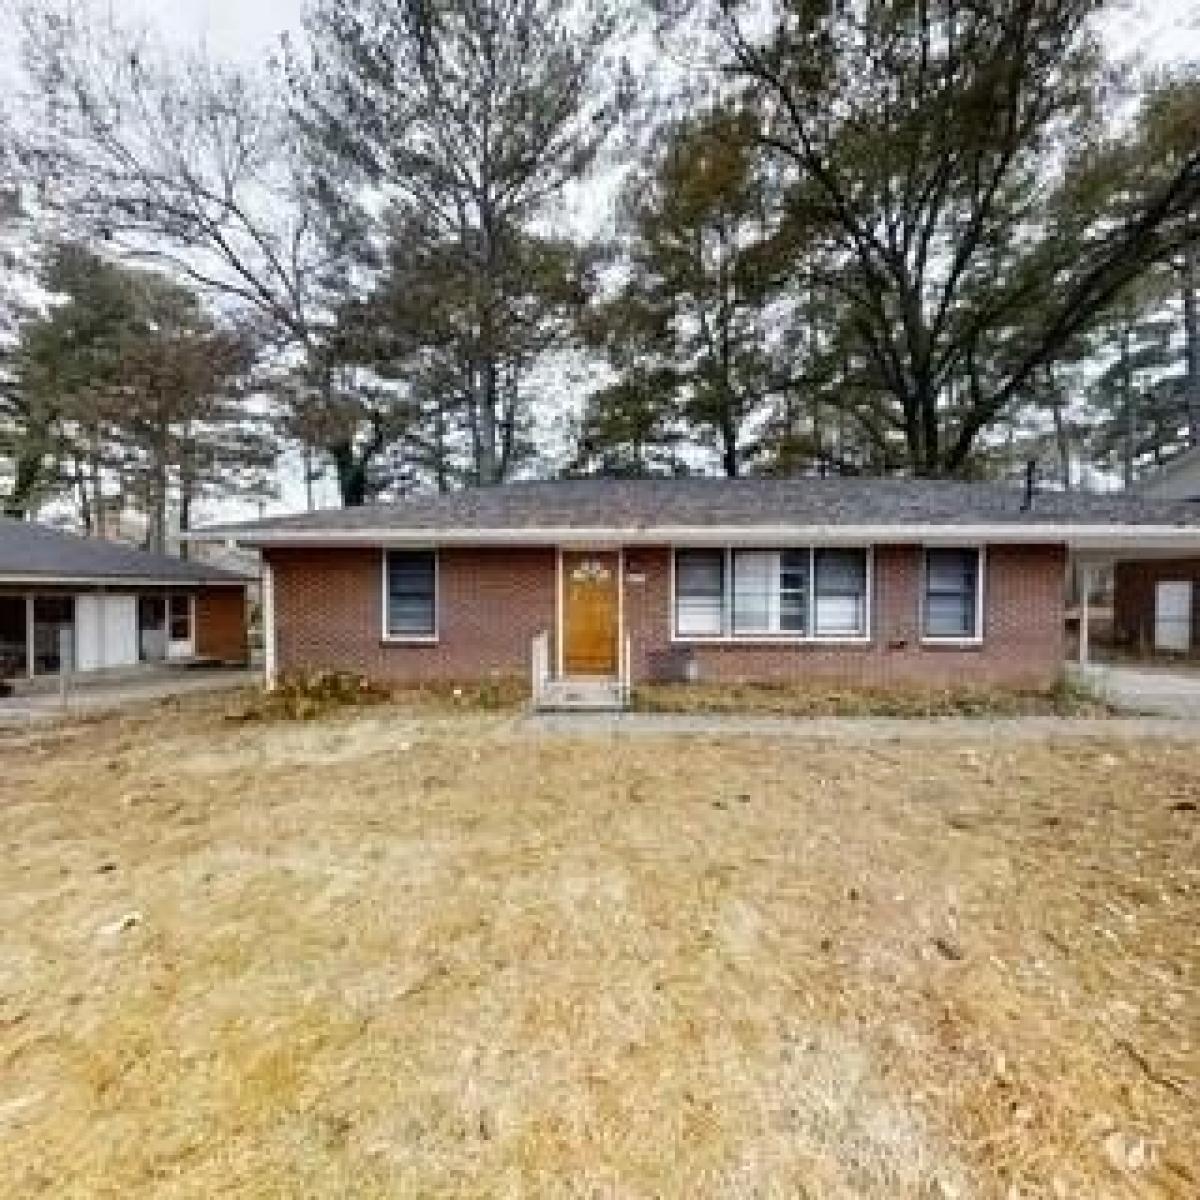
581, 695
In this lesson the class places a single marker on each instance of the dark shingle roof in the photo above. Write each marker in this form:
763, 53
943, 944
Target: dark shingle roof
697, 502
31, 551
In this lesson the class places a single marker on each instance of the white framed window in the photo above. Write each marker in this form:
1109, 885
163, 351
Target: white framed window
952, 595
410, 595
794, 594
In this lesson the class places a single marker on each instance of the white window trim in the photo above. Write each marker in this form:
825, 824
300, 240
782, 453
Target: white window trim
933, 639
729, 638
410, 639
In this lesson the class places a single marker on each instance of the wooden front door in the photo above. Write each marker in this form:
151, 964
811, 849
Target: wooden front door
591, 612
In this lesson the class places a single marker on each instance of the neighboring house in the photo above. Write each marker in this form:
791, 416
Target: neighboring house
120, 522
1156, 600
865, 580
121, 606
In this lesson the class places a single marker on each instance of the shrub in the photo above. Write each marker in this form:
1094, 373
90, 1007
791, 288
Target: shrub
307, 695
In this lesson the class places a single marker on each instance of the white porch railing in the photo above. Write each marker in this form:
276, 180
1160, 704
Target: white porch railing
544, 688
539, 661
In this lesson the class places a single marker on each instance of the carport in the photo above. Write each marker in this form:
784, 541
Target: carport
1157, 543
109, 606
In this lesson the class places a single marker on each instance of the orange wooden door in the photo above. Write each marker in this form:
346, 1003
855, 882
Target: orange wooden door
590, 612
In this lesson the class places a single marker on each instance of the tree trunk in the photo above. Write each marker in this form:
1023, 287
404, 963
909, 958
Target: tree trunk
730, 463
441, 469
1191, 330
85, 505
351, 474
27, 475
185, 513
1062, 433
1129, 405
307, 461
487, 467
98, 529
158, 527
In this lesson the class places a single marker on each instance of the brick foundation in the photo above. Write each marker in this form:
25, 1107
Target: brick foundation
493, 602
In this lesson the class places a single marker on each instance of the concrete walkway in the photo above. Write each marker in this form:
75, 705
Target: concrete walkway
632, 724
1160, 691
92, 696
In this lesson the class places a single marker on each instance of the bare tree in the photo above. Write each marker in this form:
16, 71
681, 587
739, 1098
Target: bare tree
195, 167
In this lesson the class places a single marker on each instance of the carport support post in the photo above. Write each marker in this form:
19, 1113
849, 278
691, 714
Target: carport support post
1085, 589
66, 661
267, 607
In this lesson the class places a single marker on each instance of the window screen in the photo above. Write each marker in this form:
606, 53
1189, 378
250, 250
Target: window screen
755, 591
770, 591
699, 593
841, 593
411, 591
794, 567
951, 591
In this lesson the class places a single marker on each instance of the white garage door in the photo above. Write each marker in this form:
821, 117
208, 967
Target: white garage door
1173, 616
106, 633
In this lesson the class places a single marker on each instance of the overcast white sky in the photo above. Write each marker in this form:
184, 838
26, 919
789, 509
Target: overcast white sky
1163, 29
232, 28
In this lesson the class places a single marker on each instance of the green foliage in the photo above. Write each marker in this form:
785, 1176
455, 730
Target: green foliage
464, 120
689, 334
125, 383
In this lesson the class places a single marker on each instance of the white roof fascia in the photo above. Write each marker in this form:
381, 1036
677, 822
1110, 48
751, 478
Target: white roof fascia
1076, 536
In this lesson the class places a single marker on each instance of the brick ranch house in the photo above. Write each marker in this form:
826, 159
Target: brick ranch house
873, 581
119, 607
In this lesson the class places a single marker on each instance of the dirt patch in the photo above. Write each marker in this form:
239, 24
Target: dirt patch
404, 954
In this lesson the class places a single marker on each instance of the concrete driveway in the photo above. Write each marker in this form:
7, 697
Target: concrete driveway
105, 695
1162, 691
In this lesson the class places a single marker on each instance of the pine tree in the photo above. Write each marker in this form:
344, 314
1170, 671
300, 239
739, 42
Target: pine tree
690, 333
466, 119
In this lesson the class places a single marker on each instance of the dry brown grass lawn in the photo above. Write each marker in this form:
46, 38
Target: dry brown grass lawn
402, 954
829, 700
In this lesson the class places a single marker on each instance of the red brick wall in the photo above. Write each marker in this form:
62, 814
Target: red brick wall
1133, 599
491, 605
1023, 641
492, 602
221, 624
